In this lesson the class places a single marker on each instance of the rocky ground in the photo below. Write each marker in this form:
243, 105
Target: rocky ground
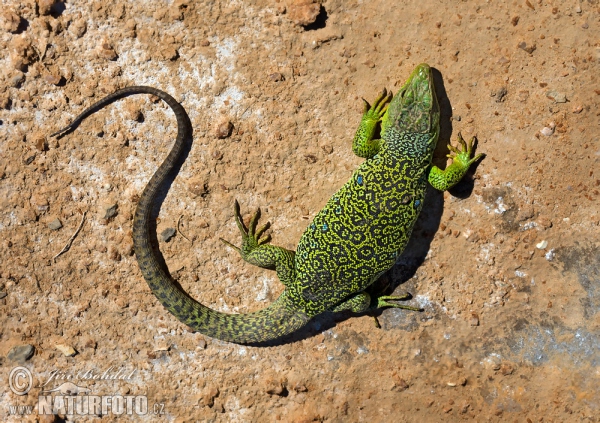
506, 266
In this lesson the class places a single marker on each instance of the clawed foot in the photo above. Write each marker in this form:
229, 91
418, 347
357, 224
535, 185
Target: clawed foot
463, 155
379, 107
251, 238
382, 302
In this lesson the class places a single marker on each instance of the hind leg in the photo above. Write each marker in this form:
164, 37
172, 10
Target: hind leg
257, 251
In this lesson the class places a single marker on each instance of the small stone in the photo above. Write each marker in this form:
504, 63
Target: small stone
464, 408
45, 6
17, 79
299, 387
198, 185
474, 320
52, 78
110, 211
529, 49
163, 346
39, 202
577, 109
303, 12
506, 369
202, 344
541, 245
500, 94
492, 362
106, 51
275, 388
546, 131
525, 212
556, 96
55, 225
310, 158
67, 350
39, 140
207, 398
10, 21
78, 28
276, 77
204, 43
224, 130
167, 234
328, 149
515, 20
21, 353
370, 64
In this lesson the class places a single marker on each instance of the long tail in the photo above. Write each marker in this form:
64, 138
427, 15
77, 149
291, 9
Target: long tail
273, 322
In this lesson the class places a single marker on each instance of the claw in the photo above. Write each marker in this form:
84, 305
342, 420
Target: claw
253, 223
265, 240
238, 218
229, 244
366, 106
262, 230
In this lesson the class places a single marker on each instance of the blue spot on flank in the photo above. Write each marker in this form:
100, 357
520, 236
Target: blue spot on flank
325, 227
312, 226
359, 179
417, 202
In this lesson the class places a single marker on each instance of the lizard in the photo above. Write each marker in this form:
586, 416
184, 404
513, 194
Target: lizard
351, 242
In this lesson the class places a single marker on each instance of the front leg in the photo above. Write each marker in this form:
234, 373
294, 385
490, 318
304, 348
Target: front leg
364, 145
461, 160
257, 251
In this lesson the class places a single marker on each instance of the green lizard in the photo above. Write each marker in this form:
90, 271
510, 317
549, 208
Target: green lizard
351, 242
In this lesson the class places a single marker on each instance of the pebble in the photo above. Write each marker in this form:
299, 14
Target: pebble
10, 21
167, 234
474, 320
21, 353
500, 94
303, 12
577, 109
106, 51
275, 388
492, 362
556, 96
529, 49
542, 245
78, 28
17, 79
55, 225
110, 211
276, 77
224, 130
548, 130
45, 6
67, 350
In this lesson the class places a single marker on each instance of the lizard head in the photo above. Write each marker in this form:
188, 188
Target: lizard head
414, 109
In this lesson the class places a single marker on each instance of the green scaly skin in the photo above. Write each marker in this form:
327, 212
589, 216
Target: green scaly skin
352, 241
